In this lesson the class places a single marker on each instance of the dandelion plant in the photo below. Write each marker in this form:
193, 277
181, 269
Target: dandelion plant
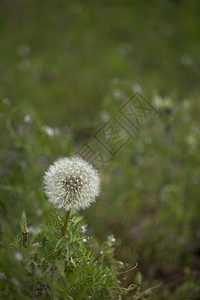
71, 183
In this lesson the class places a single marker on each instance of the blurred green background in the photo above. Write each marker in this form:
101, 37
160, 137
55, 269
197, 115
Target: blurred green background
66, 67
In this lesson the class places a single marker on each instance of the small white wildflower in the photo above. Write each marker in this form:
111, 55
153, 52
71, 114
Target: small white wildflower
84, 240
16, 282
28, 119
83, 228
112, 238
117, 94
49, 131
136, 88
36, 245
2, 276
18, 256
71, 183
104, 115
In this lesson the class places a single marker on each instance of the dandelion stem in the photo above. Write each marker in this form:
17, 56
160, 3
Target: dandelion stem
65, 223
64, 229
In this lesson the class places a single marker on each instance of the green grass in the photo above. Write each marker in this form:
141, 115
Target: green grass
67, 64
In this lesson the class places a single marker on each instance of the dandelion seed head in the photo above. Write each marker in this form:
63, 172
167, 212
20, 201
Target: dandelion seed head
71, 183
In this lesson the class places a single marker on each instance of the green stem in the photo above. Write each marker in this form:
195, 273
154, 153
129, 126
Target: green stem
64, 229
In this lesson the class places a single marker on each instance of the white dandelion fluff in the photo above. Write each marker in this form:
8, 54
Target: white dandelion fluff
71, 183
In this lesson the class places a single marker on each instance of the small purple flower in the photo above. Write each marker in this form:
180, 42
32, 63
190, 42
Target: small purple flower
45, 287
83, 228
70, 259
79, 261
